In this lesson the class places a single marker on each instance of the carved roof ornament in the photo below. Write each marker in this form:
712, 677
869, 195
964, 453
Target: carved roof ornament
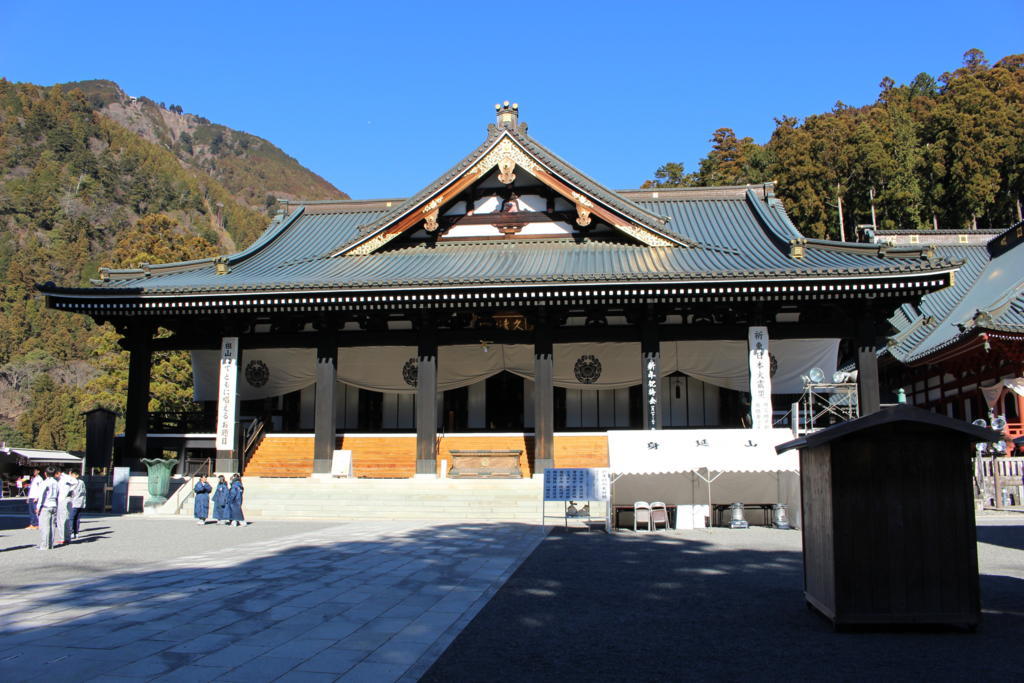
583, 207
508, 114
506, 155
430, 225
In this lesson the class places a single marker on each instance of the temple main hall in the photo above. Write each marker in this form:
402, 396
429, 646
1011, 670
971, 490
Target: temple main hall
513, 305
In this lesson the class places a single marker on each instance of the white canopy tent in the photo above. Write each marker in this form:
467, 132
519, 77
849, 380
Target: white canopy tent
680, 466
44, 458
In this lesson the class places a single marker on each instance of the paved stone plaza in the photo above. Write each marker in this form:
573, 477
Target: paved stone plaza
371, 601
162, 599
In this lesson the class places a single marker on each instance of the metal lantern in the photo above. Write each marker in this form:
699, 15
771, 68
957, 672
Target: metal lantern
737, 521
779, 518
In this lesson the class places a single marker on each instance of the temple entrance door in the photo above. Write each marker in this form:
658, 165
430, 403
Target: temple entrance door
455, 410
505, 403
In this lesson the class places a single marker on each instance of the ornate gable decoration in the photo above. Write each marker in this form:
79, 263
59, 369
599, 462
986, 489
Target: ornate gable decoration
507, 154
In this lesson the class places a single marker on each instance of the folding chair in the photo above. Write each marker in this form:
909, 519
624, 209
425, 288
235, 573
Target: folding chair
659, 515
642, 514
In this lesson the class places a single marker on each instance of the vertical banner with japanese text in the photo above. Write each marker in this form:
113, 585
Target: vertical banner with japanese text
651, 382
226, 394
760, 378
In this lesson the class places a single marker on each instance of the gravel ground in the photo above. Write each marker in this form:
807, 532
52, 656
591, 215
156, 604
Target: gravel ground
112, 542
716, 605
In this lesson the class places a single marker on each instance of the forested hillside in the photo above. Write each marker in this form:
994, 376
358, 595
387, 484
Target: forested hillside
946, 153
90, 177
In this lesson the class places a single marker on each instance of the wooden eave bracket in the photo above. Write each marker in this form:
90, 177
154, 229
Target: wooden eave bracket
506, 155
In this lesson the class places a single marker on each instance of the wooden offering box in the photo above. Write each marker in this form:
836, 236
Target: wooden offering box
888, 519
485, 464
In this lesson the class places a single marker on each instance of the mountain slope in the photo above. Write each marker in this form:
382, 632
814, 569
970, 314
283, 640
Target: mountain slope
251, 168
79, 190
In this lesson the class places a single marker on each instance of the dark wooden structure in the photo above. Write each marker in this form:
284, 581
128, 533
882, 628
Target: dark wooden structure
888, 519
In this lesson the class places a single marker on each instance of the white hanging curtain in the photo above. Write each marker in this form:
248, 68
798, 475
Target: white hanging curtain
725, 363
595, 365
262, 373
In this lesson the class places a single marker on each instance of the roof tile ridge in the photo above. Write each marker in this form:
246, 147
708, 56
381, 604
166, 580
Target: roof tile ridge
494, 135
524, 138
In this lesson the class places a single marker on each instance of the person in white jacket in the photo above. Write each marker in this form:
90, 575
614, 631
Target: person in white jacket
46, 508
34, 489
63, 506
77, 497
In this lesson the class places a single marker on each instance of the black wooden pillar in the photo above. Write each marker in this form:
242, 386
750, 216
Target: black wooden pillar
136, 418
324, 411
543, 397
426, 399
868, 392
650, 371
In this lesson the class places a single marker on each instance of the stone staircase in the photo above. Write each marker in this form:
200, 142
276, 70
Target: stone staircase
394, 499
282, 456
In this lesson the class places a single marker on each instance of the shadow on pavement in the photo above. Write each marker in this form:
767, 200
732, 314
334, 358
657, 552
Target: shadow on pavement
198, 622
1009, 536
650, 607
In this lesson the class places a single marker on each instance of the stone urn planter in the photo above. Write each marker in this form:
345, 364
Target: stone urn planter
159, 479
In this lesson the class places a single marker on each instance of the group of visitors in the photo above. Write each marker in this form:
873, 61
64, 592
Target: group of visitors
227, 501
55, 502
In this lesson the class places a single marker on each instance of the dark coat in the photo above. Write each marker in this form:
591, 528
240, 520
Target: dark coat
202, 506
220, 502
235, 501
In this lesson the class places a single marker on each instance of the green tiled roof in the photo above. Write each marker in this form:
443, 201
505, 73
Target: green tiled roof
724, 234
988, 295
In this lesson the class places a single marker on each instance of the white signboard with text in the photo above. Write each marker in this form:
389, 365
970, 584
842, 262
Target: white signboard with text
577, 483
760, 379
226, 394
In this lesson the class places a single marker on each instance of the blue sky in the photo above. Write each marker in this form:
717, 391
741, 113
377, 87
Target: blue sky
380, 98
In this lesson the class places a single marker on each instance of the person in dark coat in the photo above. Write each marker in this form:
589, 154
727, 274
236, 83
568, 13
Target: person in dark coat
202, 506
235, 502
220, 501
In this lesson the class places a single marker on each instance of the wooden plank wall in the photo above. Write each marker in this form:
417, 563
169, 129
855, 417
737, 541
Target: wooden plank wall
581, 451
381, 457
395, 456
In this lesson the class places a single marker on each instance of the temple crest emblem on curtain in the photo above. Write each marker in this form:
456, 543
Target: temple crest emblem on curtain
257, 373
587, 369
411, 371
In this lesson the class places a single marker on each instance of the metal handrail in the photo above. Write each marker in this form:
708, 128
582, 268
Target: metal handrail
251, 439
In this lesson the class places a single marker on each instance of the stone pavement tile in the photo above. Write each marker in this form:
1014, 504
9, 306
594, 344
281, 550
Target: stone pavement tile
364, 640
140, 649
404, 611
204, 643
335, 629
261, 669
332, 661
387, 625
301, 647
178, 633
232, 655
398, 652
192, 673
154, 665
418, 633
273, 636
374, 672
106, 641
245, 626
299, 676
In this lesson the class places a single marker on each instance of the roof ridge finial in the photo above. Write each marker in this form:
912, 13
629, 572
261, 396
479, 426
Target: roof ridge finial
508, 114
